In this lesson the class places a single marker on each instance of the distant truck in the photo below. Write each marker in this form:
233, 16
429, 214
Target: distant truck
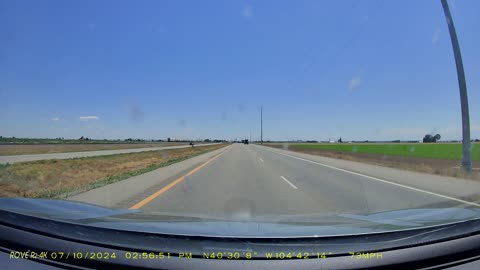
245, 141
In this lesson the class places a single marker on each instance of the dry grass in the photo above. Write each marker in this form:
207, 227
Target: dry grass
10, 150
51, 178
426, 168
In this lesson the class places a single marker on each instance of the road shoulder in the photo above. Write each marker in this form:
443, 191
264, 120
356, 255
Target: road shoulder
455, 187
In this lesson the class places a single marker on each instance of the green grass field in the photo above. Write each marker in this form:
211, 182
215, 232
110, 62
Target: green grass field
434, 150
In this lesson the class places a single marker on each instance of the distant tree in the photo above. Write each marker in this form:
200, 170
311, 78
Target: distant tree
340, 140
431, 139
87, 139
168, 139
82, 138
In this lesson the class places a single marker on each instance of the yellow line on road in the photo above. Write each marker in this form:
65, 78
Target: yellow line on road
172, 184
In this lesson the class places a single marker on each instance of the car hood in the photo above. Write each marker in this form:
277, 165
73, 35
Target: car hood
302, 225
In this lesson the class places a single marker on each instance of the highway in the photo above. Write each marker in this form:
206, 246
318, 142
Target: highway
247, 181
23, 158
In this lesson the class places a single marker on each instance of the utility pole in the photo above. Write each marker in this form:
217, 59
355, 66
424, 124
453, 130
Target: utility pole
261, 125
466, 161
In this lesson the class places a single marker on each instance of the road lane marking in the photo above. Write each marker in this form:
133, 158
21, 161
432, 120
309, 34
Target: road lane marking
172, 184
290, 183
260, 159
380, 180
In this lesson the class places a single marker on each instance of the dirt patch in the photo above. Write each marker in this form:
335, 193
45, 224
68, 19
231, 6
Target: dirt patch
49, 178
444, 167
10, 150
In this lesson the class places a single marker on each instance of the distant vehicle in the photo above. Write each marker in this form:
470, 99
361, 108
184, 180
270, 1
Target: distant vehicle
245, 141
191, 143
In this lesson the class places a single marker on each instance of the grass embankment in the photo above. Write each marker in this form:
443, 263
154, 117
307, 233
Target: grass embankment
60, 178
431, 150
11, 150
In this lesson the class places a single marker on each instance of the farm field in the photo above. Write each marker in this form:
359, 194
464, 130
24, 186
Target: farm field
451, 151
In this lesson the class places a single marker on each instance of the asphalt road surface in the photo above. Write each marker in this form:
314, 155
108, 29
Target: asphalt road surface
247, 181
23, 158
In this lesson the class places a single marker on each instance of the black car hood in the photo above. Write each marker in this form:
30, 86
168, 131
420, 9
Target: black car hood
302, 225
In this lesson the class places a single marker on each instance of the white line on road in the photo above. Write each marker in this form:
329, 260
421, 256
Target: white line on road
260, 159
380, 180
290, 183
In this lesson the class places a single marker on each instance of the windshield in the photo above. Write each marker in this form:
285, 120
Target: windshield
284, 119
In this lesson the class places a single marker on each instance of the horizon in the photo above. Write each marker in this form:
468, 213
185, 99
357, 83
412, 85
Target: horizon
172, 139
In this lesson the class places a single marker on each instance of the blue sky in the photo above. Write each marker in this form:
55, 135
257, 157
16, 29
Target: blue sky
201, 69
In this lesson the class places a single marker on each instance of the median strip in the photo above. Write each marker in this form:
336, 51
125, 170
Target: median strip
67, 177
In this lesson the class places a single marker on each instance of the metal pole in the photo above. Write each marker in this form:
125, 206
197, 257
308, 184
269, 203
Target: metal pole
466, 161
261, 125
